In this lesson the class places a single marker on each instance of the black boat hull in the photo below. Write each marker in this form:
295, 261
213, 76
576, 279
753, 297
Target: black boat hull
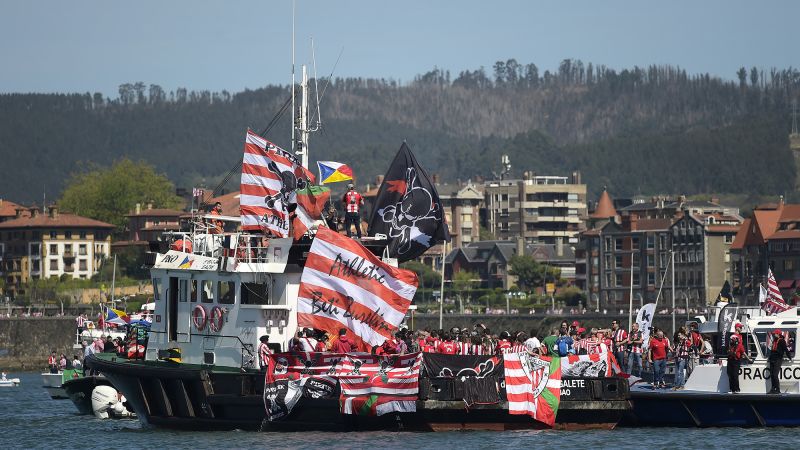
195, 398
701, 409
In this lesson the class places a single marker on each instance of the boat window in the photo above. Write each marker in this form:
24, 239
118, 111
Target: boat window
207, 290
255, 294
184, 294
156, 291
752, 348
764, 337
226, 290
193, 295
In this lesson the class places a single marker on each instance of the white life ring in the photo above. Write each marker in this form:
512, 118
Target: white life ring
216, 319
199, 317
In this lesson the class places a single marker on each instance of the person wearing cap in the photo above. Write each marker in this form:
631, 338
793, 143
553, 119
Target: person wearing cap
352, 203
777, 351
735, 354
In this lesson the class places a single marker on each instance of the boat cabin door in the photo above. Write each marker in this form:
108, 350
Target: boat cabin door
184, 312
172, 310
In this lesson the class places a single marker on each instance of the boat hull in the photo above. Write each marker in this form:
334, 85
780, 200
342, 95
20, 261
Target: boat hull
79, 390
708, 409
194, 398
51, 382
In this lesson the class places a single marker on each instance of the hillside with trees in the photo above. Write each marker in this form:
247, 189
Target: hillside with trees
641, 130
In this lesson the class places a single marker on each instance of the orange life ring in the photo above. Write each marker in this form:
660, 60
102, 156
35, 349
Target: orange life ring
199, 317
216, 318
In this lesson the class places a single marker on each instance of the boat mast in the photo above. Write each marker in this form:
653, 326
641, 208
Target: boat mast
293, 124
302, 120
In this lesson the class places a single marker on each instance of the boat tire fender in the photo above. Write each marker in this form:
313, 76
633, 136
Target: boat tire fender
216, 319
199, 317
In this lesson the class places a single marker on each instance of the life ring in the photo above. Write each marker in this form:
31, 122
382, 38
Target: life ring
199, 317
216, 318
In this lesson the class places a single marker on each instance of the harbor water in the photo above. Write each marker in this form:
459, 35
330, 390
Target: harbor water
30, 419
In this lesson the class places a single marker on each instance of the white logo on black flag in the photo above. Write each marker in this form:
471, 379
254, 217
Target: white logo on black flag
408, 209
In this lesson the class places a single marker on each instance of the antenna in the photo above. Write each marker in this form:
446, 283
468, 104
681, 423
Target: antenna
317, 125
293, 110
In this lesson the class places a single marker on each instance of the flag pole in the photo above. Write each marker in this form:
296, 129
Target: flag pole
441, 288
630, 298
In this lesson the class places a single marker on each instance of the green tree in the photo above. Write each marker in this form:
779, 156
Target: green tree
485, 235
108, 194
530, 273
463, 282
427, 276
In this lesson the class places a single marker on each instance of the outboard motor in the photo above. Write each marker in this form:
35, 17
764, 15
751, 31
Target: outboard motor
107, 404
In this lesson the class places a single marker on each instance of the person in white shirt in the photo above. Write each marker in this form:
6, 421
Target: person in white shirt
307, 342
532, 344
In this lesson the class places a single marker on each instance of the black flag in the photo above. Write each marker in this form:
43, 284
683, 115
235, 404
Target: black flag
407, 209
725, 293
726, 317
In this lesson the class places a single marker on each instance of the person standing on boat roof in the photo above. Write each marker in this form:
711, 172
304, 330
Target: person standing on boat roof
352, 203
263, 352
776, 354
217, 226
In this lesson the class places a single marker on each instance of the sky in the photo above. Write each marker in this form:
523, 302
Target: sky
96, 45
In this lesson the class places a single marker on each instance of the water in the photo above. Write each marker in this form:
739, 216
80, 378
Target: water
30, 419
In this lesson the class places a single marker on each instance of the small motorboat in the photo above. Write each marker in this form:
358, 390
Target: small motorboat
8, 382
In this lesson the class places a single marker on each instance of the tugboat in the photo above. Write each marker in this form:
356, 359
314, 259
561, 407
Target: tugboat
215, 298
706, 400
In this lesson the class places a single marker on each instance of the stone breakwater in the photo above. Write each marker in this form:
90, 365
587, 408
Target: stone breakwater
26, 342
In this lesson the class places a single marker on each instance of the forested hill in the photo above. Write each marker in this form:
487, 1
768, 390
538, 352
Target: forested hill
643, 130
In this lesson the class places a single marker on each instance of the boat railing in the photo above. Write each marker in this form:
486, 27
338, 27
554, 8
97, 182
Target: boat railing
244, 247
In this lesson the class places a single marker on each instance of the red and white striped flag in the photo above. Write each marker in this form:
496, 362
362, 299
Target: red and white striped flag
533, 385
376, 385
270, 176
772, 302
345, 286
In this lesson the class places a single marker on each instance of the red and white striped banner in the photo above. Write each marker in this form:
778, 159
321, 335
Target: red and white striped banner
533, 385
345, 286
376, 385
266, 168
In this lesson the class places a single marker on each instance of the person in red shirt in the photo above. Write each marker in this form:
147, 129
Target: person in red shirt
343, 344
322, 344
447, 346
735, 353
657, 355
352, 203
503, 345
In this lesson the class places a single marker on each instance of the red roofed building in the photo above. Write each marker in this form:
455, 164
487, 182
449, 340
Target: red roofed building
148, 224
43, 245
768, 239
10, 210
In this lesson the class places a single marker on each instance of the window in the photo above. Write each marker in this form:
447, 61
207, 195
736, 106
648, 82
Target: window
635, 243
608, 244
82, 249
636, 260
691, 256
53, 249
618, 244
651, 278
83, 235
68, 235
787, 264
82, 265
662, 241
618, 281
207, 291
636, 279
193, 296
255, 294
608, 262
608, 279
183, 287
53, 234
67, 249
34, 249
156, 291
618, 262
35, 265
226, 292
699, 256
54, 264
651, 261
651, 241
